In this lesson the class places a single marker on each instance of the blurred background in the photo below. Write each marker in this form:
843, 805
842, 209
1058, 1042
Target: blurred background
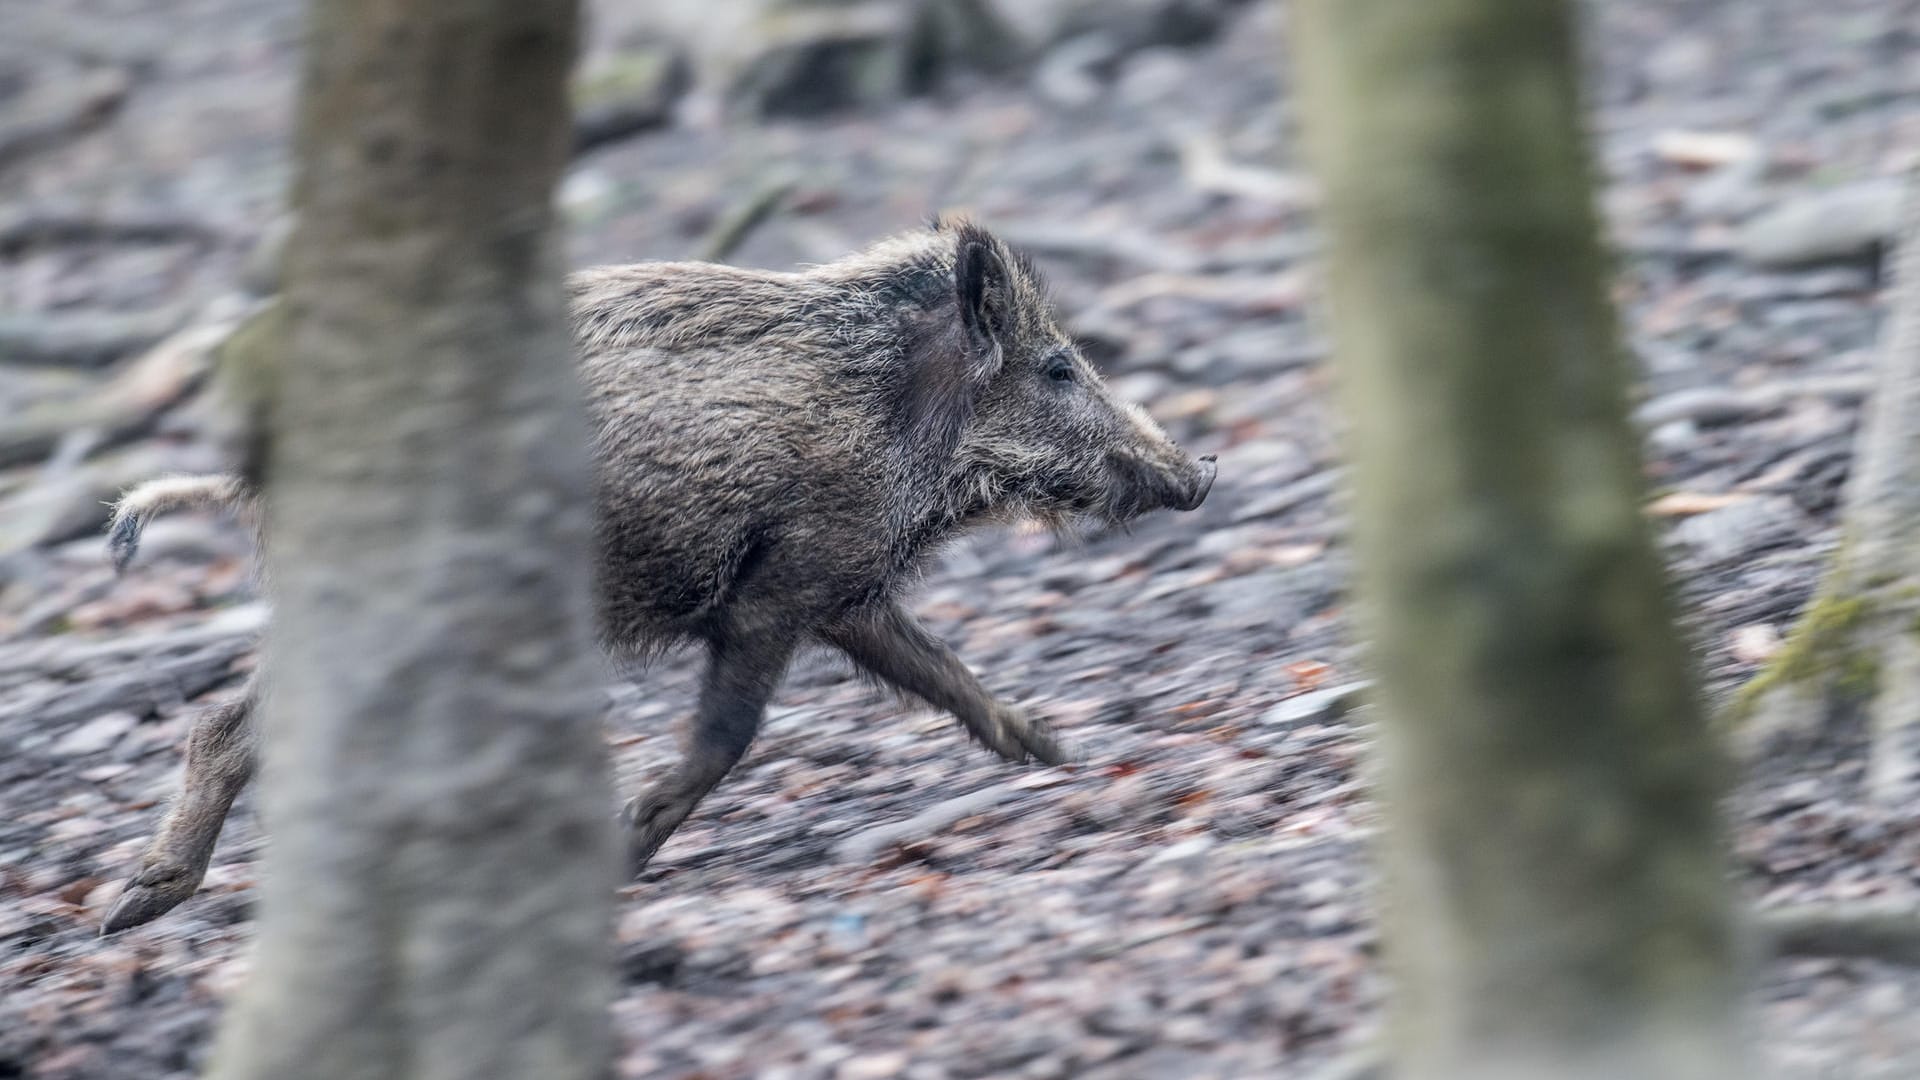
867, 897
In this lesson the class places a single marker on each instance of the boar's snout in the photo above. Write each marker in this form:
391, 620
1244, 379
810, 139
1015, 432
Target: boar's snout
1175, 482
1198, 484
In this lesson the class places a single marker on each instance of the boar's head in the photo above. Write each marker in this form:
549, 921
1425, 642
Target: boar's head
1034, 431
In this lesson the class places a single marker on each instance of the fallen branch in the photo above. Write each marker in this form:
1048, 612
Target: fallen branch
73, 500
1714, 405
1205, 166
72, 658
739, 223
140, 690
1107, 950
47, 226
60, 109
1687, 252
1888, 933
84, 340
128, 404
868, 844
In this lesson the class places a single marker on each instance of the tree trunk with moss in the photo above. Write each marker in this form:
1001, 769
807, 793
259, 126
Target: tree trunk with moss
1856, 651
1557, 898
436, 900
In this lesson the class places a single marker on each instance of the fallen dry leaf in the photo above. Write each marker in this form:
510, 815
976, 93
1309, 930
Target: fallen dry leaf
1308, 674
1689, 503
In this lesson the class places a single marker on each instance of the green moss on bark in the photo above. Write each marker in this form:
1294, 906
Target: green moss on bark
1823, 654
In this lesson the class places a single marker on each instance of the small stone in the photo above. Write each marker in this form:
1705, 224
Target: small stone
95, 735
1075, 73
1681, 59
1186, 856
1151, 77
872, 1067
1756, 643
1732, 191
628, 92
585, 193
651, 962
1015, 1050
1189, 1031
1048, 1067
1315, 706
1736, 530
1847, 222
808, 60
1674, 436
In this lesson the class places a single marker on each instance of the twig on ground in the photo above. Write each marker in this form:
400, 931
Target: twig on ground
740, 222
1713, 405
1205, 166
128, 404
1889, 933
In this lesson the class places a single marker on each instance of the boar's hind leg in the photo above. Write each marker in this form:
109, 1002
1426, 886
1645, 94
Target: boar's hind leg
891, 646
741, 676
220, 757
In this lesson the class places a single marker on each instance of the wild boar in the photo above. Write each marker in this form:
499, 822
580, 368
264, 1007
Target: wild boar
778, 454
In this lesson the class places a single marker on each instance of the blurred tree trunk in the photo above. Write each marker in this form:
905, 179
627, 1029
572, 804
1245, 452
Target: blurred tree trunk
1856, 650
1557, 903
442, 866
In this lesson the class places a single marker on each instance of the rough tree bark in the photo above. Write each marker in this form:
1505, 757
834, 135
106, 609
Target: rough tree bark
1856, 650
442, 865
1557, 900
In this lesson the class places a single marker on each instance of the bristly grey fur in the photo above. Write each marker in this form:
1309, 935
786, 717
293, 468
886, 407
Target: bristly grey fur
837, 425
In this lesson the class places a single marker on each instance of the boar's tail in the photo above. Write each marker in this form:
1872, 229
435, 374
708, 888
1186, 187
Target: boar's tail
160, 496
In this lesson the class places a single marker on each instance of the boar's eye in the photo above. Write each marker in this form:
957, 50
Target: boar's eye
1060, 369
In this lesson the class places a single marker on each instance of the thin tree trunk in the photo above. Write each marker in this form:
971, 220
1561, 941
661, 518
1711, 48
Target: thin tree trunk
438, 885
1856, 650
1557, 901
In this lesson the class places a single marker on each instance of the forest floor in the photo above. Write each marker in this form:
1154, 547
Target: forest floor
871, 896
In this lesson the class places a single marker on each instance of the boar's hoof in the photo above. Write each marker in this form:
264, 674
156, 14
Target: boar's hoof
149, 894
1018, 736
649, 820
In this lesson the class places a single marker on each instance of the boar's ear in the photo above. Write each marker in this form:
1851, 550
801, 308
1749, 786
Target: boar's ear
985, 295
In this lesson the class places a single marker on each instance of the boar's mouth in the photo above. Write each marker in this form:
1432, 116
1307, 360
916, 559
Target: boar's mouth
1139, 487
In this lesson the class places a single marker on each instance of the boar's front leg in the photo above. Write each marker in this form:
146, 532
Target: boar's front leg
220, 759
742, 673
890, 645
